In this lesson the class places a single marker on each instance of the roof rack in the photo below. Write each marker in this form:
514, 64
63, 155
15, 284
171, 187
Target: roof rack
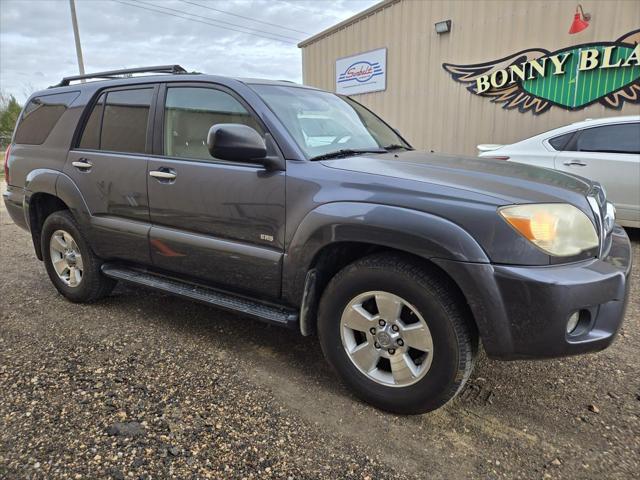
127, 72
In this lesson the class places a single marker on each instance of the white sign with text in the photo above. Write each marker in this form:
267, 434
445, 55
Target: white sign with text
363, 73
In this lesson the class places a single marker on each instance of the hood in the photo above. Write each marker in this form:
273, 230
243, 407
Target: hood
508, 181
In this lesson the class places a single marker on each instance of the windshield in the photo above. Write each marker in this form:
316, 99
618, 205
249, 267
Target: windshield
323, 123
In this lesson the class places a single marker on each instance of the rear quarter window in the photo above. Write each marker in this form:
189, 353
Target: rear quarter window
560, 142
40, 115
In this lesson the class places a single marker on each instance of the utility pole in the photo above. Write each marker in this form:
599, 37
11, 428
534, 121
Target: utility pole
76, 35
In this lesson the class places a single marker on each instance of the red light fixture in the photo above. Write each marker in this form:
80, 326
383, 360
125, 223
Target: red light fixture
580, 21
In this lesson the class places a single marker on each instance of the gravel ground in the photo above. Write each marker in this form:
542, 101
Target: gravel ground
142, 385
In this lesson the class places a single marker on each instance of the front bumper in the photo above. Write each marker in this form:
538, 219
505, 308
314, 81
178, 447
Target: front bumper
522, 312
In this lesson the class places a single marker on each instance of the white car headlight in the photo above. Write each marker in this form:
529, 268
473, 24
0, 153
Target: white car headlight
559, 229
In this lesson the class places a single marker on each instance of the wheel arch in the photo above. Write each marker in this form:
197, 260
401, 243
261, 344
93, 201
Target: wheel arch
337, 234
48, 191
41, 205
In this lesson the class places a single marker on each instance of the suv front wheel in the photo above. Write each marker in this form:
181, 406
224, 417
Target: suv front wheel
72, 267
398, 334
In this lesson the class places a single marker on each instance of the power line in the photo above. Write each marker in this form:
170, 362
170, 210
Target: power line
242, 16
215, 20
202, 21
296, 5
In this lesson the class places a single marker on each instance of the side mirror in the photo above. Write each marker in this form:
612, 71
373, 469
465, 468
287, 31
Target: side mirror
236, 142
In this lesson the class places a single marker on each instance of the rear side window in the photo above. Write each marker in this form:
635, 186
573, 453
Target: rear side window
621, 138
91, 135
124, 123
189, 114
559, 143
40, 116
118, 122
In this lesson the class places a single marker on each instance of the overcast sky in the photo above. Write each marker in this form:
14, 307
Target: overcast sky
37, 47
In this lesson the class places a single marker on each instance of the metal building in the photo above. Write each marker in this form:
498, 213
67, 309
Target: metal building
427, 80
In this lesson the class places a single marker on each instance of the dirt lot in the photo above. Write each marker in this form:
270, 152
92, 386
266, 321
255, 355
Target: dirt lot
142, 385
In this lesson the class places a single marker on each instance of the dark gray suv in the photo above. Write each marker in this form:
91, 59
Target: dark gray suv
304, 209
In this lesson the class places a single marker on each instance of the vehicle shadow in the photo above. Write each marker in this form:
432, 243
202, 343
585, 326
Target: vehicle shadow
527, 408
503, 389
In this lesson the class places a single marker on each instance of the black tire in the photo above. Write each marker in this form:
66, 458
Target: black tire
93, 284
454, 335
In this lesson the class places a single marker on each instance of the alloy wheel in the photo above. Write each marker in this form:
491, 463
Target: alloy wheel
66, 258
386, 338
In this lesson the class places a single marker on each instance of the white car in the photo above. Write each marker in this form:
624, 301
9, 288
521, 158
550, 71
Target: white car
606, 150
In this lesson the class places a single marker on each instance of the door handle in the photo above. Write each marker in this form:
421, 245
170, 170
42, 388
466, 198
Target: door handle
163, 174
576, 163
82, 164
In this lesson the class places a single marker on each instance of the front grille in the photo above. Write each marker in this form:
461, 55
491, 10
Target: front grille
605, 215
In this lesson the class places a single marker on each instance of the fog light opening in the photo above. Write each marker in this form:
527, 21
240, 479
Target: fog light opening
578, 322
572, 323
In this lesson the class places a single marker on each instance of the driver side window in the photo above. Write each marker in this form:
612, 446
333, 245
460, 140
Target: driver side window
189, 114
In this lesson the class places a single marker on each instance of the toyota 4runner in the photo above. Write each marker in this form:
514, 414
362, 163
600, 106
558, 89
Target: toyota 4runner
304, 209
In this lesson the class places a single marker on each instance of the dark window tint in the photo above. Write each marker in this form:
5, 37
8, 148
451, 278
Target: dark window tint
191, 112
621, 138
124, 123
40, 116
559, 143
91, 134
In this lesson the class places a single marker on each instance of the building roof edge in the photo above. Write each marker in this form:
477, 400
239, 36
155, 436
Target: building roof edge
349, 21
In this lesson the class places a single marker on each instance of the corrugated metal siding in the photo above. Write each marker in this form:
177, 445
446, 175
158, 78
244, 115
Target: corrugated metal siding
424, 102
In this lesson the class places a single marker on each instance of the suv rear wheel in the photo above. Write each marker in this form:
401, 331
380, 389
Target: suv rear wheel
399, 335
72, 267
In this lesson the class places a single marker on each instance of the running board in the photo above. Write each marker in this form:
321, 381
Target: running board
268, 313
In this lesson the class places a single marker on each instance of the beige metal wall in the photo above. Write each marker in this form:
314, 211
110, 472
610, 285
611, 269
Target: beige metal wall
424, 102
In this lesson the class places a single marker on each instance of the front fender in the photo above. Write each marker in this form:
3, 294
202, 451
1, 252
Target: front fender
412, 231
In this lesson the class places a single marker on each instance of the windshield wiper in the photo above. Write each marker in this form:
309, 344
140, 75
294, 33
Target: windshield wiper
395, 146
345, 152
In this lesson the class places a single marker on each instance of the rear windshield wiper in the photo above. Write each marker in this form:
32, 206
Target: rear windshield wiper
345, 152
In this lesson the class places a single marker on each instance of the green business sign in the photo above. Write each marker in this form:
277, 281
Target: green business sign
571, 78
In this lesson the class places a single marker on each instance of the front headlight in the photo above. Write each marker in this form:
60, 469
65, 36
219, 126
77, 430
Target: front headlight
558, 229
